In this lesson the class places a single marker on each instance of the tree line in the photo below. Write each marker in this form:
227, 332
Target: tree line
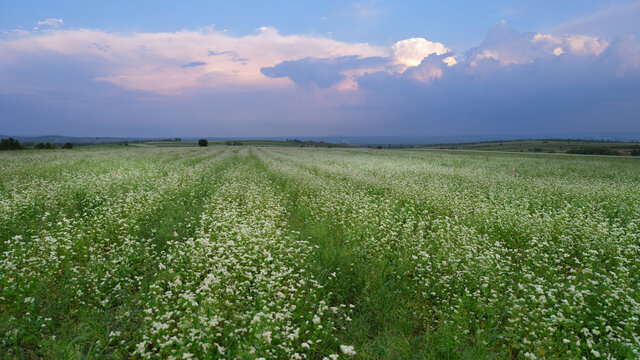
13, 144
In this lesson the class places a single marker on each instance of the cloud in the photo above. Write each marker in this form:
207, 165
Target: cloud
576, 44
506, 46
411, 52
154, 61
233, 56
324, 72
194, 64
52, 22
512, 83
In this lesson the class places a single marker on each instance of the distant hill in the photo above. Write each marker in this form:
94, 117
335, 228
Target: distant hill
61, 139
347, 139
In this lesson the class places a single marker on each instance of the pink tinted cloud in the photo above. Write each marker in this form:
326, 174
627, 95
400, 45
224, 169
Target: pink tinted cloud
163, 62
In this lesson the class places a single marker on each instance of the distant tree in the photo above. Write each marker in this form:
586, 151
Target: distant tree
46, 145
635, 152
203, 142
67, 145
10, 144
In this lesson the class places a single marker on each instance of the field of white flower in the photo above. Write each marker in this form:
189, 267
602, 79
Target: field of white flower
295, 253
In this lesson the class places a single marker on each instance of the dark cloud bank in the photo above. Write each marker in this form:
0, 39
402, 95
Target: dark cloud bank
322, 73
540, 93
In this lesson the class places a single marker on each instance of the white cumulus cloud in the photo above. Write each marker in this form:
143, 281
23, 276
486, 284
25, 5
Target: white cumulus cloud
411, 52
575, 44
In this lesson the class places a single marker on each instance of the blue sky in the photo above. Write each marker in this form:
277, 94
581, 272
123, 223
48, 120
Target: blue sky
284, 68
459, 24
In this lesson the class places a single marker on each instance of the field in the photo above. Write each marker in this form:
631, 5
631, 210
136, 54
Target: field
240, 142
554, 146
293, 253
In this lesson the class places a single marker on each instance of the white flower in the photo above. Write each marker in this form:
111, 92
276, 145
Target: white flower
267, 336
348, 350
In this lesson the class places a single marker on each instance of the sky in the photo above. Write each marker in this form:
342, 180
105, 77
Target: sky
293, 68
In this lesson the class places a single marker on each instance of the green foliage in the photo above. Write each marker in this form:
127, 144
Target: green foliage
203, 142
593, 151
46, 145
67, 145
10, 144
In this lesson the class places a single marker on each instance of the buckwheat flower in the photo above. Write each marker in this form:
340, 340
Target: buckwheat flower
267, 336
305, 345
347, 349
140, 347
595, 353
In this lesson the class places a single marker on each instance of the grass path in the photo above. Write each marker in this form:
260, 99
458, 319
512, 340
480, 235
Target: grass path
379, 283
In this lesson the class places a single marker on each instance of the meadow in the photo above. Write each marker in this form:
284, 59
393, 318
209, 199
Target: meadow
301, 253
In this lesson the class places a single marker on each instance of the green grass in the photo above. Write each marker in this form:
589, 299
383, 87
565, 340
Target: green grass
251, 251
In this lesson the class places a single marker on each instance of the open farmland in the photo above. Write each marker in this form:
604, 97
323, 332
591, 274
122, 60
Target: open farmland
249, 252
549, 146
